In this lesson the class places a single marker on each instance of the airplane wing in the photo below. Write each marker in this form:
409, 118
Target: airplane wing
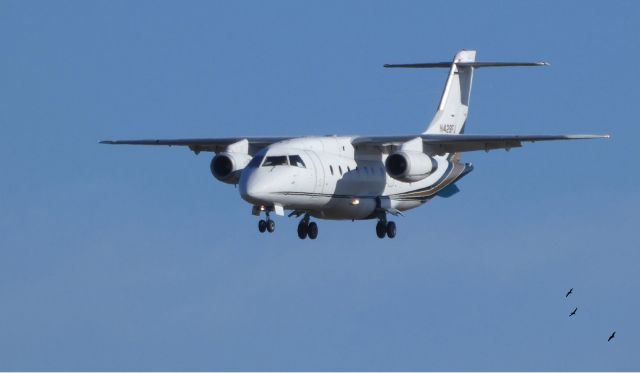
443, 144
202, 145
433, 144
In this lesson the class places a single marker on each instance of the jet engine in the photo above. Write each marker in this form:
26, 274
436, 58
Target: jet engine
409, 166
227, 166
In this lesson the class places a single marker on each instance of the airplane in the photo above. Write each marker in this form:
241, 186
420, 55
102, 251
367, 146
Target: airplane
358, 177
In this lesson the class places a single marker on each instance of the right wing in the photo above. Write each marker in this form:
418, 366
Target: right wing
203, 145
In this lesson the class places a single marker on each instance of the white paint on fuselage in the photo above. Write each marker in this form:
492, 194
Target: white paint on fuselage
335, 174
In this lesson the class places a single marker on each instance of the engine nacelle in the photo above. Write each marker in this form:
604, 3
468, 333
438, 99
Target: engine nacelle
409, 166
227, 166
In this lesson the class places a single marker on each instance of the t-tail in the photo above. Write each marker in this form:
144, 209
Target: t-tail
454, 105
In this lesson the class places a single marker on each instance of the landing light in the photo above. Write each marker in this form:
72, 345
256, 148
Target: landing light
262, 208
355, 202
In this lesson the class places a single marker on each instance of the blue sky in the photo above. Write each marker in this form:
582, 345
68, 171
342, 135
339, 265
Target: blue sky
127, 258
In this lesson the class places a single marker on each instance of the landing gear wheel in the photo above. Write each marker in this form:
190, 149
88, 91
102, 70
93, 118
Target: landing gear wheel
303, 229
271, 226
381, 229
391, 229
262, 226
312, 230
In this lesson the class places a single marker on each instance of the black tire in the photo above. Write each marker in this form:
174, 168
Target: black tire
271, 226
303, 229
312, 230
391, 229
381, 229
262, 226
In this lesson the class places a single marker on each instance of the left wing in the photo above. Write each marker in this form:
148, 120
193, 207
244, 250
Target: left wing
443, 144
203, 145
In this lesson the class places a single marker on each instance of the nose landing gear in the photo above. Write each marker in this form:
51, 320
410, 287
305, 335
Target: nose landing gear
307, 229
266, 225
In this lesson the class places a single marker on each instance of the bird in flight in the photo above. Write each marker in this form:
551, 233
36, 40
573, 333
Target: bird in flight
573, 312
569, 292
611, 336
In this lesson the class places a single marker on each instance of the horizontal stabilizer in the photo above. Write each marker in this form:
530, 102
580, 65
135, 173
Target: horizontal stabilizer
465, 64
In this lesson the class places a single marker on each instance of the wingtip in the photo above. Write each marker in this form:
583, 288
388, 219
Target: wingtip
603, 136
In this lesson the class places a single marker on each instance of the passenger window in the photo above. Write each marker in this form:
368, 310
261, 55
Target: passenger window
331, 169
255, 161
295, 160
340, 168
280, 160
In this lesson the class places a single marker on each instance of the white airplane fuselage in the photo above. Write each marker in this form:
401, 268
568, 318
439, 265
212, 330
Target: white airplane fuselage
337, 180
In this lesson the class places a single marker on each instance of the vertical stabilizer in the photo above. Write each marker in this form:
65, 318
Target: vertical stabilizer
454, 104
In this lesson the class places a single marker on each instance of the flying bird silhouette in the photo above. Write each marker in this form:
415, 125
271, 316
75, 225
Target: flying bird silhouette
573, 312
613, 335
569, 292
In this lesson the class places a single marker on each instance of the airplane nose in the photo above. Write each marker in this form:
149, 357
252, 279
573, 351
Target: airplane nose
253, 187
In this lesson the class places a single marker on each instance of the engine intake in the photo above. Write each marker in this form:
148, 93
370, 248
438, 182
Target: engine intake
227, 167
410, 166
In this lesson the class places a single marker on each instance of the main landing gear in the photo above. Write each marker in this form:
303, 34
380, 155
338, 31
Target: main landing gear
307, 229
385, 228
266, 225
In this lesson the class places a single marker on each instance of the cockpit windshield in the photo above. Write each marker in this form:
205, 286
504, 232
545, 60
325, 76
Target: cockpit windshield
276, 160
295, 160
255, 161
